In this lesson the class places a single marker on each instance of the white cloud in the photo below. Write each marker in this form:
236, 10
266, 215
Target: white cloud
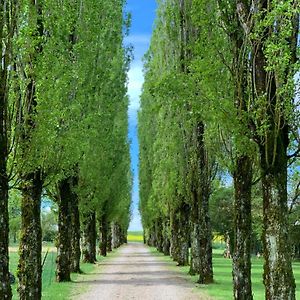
135, 223
135, 83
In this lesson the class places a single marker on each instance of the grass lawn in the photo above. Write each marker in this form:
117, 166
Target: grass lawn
222, 288
53, 290
135, 236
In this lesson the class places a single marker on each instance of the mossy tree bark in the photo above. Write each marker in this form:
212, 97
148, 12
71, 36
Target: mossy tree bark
89, 237
75, 229
5, 288
180, 236
278, 274
116, 235
109, 238
103, 231
271, 133
201, 232
242, 225
63, 260
159, 234
31, 181
30, 249
166, 237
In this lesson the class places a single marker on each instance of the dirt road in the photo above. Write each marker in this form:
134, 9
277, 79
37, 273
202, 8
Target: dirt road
136, 274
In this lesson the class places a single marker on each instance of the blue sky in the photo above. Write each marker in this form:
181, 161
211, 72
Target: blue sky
143, 15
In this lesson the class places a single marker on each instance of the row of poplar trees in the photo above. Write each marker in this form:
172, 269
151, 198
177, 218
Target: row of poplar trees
63, 131
219, 94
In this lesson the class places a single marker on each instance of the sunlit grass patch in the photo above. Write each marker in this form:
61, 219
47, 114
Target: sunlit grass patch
222, 288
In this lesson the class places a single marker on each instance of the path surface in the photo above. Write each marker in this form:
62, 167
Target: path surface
137, 274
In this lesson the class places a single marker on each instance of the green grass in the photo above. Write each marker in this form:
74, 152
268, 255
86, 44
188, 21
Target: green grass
222, 288
53, 290
135, 236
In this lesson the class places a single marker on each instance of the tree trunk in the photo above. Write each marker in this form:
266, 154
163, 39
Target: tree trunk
7, 25
109, 239
89, 238
116, 235
242, 223
63, 262
278, 274
103, 228
75, 230
30, 249
206, 269
159, 235
5, 289
201, 247
166, 238
180, 235
195, 250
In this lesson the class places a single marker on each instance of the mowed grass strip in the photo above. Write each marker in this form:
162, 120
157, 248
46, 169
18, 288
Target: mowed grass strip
222, 288
52, 290
135, 236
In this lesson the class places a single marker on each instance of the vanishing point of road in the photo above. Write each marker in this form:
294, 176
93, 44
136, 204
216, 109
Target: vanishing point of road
135, 273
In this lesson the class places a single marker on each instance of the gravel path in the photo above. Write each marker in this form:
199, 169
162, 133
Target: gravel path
136, 274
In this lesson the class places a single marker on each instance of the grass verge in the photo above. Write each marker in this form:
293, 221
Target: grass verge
53, 290
222, 288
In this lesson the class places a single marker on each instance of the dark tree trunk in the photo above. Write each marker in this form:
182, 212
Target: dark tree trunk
5, 289
206, 269
195, 245
152, 237
201, 236
159, 235
89, 238
30, 249
75, 230
103, 229
116, 235
63, 260
166, 238
109, 239
7, 25
242, 224
180, 235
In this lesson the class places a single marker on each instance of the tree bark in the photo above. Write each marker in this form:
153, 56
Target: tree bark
201, 236
278, 274
75, 230
159, 235
63, 260
29, 268
109, 238
5, 289
6, 36
166, 238
180, 235
242, 224
116, 235
103, 228
195, 246
30, 249
89, 238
